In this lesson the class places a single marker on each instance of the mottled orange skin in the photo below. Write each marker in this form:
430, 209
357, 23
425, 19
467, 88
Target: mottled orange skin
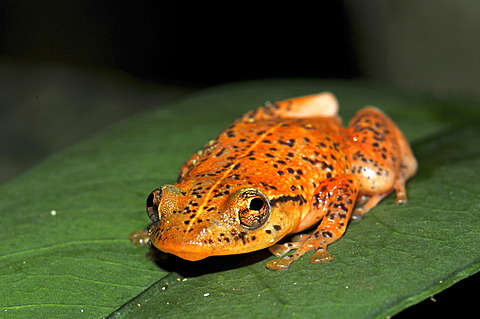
276, 171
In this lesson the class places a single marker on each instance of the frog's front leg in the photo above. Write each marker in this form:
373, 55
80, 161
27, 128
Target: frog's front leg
334, 201
380, 157
281, 249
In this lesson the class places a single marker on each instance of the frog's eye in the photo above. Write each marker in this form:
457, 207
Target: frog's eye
254, 208
153, 200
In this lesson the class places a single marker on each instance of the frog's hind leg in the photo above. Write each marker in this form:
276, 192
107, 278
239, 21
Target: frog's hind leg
380, 157
318, 105
334, 201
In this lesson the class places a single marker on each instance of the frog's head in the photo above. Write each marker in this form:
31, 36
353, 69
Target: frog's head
196, 224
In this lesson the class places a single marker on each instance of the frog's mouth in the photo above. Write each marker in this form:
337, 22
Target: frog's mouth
195, 253
194, 250
189, 252
215, 244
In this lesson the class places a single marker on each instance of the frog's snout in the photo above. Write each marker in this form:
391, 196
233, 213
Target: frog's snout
153, 200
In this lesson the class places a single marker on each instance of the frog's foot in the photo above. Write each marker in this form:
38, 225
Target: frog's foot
366, 203
139, 238
400, 191
307, 244
280, 264
302, 244
321, 255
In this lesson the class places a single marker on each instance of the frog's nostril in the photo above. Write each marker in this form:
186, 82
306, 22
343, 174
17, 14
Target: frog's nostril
153, 200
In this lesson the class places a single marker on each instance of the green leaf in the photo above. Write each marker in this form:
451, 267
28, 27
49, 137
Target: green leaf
64, 248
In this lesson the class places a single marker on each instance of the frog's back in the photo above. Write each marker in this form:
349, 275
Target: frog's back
280, 155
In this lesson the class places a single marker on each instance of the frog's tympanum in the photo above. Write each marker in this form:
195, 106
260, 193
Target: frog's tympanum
279, 170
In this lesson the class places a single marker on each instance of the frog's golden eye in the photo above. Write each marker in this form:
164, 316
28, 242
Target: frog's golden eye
153, 200
254, 208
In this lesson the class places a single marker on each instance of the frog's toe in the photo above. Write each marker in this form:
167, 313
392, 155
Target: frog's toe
321, 256
139, 238
358, 213
367, 205
400, 192
279, 264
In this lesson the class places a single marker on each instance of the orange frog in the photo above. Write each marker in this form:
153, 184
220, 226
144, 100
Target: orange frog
279, 170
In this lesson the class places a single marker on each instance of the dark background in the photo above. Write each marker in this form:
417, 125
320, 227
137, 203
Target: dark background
70, 68
183, 42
